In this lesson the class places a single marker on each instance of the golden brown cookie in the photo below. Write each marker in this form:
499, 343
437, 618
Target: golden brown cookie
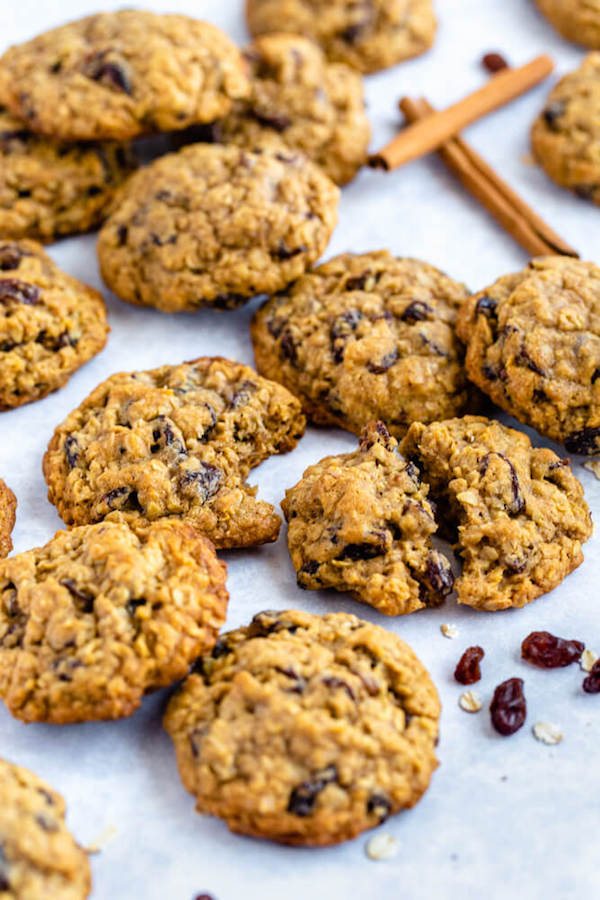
306, 729
8, 507
50, 324
311, 105
520, 511
39, 857
216, 225
175, 441
577, 20
566, 135
368, 35
119, 74
102, 615
51, 188
533, 345
366, 337
361, 522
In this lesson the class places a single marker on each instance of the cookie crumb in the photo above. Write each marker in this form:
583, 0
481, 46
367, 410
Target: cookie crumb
449, 631
100, 842
547, 733
587, 660
593, 465
381, 846
470, 702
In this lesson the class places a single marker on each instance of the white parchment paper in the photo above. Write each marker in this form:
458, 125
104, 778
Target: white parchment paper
503, 817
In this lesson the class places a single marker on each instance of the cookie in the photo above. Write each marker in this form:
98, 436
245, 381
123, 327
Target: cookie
566, 134
102, 615
51, 188
8, 507
368, 35
576, 20
364, 337
40, 857
50, 324
520, 512
533, 345
120, 74
175, 441
306, 729
313, 106
361, 522
215, 226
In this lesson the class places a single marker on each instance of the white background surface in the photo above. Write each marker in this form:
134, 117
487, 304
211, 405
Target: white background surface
504, 816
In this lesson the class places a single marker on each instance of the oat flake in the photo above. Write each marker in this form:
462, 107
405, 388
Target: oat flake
381, 846
449, 631
470, 702
547, 733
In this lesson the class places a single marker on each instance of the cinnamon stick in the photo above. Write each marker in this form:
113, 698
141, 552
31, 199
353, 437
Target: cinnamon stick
507, 207
424, 136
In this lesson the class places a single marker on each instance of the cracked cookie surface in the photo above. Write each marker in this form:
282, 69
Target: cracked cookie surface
566, 135
50, 324
102, 615
361, 522
175, 441
368, 35
51, 188
120, 74
306, 729
215, 225
533, 345
520, 511
39, 857
311, 105
8, 507
576, 20
365, 337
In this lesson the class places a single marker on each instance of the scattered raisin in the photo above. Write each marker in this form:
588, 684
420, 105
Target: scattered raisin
84, 601
553, 112
585, 441
340, 330
204, 481
591, 684
494, 62
508, 707
549, 652
303, 798
417, 311
71, 450
335, 683
110, 74
15, 291
487, 307
282, 252
288, 346
366, 550
386, 363
438, 574
468, 671
380, 806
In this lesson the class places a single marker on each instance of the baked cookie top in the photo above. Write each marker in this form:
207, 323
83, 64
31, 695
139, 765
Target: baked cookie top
8, 507
533, 345
51, 188
306, 729
566, 135
175, 441
120, 74
39, 855
102, 615
368, 35
50, 324
577, 20
520, 511
216, 225
361, 522
311, 105
367, 336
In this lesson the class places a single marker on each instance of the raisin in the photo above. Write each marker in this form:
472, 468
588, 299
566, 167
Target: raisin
122, 232
288, 346
220, 649
267, 622
379, 805
585, 441
299, 683
204, 481
303, 798
358, 283
517, 504
229, 301
353, 33
591, 684
204, 897
486, 306
242, 395
340, 330
553, 112
71, 450
386, 363
15, 291
335, 683
282, 252
366, 550
438, 574
163, 434
468, 671
375, 433
508, 707
276, 121
134, 604
110, 74
417, 311
112, 497
549, 652
494, 62
309, 568
524, 359
84, 601
11, 256
596, 375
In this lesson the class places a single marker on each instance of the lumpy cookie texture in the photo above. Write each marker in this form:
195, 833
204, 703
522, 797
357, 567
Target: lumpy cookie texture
50, 324
520, 511
309, 104
577, 20
533, 345
361, 522
102, 615
216, 225
175, 441
39, 857
8, 506
368, 35
120, 74
51, 188
566, 135
366, 337
306, 729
